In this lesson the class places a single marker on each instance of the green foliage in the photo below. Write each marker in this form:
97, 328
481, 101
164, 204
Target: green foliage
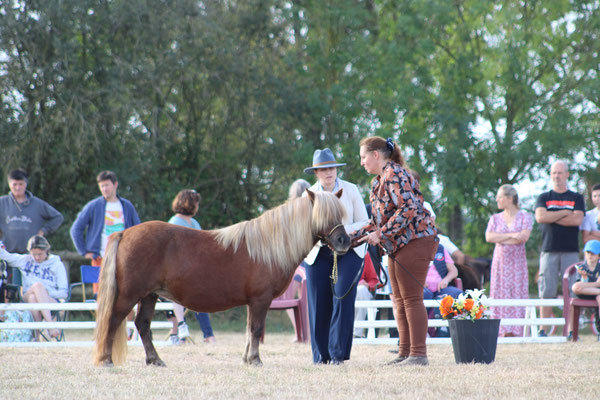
231, 98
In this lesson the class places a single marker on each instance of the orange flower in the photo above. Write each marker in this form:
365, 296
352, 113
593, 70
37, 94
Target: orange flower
479, 313
446, 306
469, 304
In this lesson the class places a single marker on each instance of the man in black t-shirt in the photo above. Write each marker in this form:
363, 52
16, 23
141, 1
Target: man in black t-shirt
559, 213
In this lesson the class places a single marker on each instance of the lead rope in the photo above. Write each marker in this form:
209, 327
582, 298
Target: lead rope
334, 271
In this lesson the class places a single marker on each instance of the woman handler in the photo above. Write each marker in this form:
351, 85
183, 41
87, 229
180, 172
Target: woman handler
406, 230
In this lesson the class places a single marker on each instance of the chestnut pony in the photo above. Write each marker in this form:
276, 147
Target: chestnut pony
250, 263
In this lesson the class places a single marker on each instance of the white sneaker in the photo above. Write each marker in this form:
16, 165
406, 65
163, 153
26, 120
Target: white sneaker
183, 331
173, 340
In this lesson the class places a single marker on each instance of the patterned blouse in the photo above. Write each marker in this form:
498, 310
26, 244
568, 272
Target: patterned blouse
397, 209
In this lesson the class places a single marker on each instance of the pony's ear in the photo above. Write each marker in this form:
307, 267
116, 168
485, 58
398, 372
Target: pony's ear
311, 195
338, 194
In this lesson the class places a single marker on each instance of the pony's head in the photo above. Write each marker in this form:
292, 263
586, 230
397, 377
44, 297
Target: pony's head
283, 236
327, 215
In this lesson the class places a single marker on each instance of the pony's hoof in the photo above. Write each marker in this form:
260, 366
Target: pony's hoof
157, 363
255, 362
107, 364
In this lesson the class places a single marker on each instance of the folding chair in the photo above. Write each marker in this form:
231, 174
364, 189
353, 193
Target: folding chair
15, 282
89, 275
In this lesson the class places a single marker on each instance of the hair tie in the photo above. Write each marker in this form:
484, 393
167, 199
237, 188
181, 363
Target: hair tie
390, 144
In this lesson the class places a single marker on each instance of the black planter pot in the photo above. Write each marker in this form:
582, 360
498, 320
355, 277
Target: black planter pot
474, 341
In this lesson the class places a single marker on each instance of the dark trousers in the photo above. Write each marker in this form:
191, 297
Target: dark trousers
331, 319
204, 321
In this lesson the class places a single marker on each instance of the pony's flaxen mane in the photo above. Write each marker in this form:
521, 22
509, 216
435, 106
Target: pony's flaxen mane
282, 236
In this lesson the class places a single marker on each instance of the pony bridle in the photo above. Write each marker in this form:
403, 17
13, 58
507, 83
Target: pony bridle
325, 239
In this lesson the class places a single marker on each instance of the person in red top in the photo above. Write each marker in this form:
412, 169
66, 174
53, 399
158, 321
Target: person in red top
365, 291
405, 229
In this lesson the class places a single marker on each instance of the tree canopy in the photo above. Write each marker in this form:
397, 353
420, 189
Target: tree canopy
232, 97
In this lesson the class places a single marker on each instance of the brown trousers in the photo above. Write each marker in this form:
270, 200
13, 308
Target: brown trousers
407, 282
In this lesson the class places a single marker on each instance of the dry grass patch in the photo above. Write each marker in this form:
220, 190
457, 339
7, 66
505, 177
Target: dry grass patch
544, 371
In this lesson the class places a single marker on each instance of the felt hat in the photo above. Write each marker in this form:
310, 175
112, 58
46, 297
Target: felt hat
323, 159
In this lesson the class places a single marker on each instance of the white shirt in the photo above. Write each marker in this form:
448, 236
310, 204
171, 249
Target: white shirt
114, 221
356, 214
590, 221
447, 243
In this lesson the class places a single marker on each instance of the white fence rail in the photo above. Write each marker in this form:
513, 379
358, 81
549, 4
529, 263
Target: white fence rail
530, 321
66, 325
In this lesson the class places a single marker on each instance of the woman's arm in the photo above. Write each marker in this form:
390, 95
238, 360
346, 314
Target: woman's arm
61, 291
508, 238
13, 259
359, 217
495, 237
451, 274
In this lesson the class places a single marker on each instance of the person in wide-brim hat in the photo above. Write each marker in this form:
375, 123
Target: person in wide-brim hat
331, 315
323, 159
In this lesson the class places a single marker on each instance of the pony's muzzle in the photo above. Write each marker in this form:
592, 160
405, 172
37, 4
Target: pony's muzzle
339, 240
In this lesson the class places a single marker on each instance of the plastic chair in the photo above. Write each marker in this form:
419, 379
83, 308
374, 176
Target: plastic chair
458, 283
299, 305
573, 304
89, 275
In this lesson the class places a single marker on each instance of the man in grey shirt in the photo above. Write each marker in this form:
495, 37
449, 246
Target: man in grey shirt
22, 215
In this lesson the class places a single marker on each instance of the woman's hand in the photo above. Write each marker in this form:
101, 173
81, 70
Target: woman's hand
373, 238
442, 285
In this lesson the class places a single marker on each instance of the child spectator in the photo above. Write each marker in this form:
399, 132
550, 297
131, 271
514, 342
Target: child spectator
588, 282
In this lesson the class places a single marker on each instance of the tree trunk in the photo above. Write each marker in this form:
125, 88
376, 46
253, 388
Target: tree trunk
455, 225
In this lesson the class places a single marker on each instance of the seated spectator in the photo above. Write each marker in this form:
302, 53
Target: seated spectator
44, 276
590, 227
588, 278
440, 275
457, 256
9, 295
365, 291
442, 272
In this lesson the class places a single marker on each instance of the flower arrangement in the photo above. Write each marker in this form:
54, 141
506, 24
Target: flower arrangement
468, 305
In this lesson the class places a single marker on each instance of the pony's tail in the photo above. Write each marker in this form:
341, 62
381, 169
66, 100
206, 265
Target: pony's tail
107, 293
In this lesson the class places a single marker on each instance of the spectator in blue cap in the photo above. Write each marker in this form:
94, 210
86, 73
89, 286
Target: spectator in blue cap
588, 274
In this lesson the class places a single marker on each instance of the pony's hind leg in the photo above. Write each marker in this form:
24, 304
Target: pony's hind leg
257, 314
142, 323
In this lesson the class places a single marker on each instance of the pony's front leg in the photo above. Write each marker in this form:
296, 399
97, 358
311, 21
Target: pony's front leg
257, 314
